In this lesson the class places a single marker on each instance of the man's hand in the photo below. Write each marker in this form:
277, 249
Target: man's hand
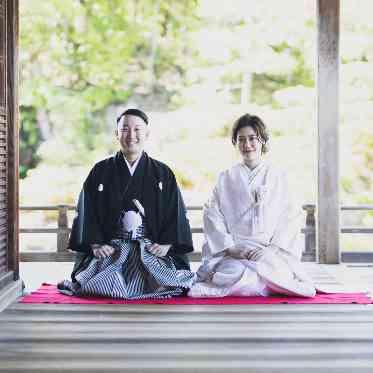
158, 250
239, 252
102, 251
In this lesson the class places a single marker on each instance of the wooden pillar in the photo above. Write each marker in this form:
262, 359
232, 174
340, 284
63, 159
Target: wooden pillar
309, 254
63, 229
10, 285
328, 208
13, 135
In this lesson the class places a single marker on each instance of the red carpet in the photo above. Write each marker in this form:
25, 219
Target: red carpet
48, 294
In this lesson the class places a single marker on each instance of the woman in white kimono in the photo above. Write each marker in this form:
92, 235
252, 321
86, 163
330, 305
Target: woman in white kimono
252, 234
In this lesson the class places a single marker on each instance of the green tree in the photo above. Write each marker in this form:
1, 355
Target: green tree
30, 139
80, 56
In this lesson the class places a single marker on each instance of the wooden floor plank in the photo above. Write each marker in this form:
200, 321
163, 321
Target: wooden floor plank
173, 332
184, 365
187, 309
255, 350
194, 318
194, 338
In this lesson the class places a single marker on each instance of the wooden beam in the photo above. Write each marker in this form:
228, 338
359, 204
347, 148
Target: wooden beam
66, 256
328, 242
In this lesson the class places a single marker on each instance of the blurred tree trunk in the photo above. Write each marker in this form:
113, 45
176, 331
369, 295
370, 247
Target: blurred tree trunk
43, 124
153, 50
246, 88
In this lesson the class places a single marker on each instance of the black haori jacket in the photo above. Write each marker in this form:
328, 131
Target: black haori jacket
109, 188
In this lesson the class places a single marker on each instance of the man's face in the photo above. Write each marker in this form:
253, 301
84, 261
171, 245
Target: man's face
132, 133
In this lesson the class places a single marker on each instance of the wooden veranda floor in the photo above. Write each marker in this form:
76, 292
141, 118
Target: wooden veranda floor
158, 338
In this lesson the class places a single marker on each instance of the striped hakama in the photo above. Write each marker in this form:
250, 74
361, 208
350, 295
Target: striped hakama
130, 273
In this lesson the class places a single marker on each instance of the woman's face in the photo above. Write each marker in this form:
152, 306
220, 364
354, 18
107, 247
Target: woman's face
249, 146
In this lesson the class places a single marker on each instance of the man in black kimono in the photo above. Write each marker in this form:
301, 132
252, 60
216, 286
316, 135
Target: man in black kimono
131, 223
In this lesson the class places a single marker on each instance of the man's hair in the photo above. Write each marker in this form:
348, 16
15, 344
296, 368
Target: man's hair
134, 112
256, 124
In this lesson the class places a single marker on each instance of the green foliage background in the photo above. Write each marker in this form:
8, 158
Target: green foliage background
189, 64
79, 57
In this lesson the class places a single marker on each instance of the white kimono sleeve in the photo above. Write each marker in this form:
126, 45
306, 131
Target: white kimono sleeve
217, 236
281, 222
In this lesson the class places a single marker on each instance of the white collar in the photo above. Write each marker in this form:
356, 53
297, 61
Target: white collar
251, 173
132, 168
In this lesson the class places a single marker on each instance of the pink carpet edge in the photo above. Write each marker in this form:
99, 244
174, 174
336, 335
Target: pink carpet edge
48, 294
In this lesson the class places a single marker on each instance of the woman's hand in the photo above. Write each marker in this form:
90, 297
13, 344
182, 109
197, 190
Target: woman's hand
255, 254
102, 251
158, 250
239, 252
